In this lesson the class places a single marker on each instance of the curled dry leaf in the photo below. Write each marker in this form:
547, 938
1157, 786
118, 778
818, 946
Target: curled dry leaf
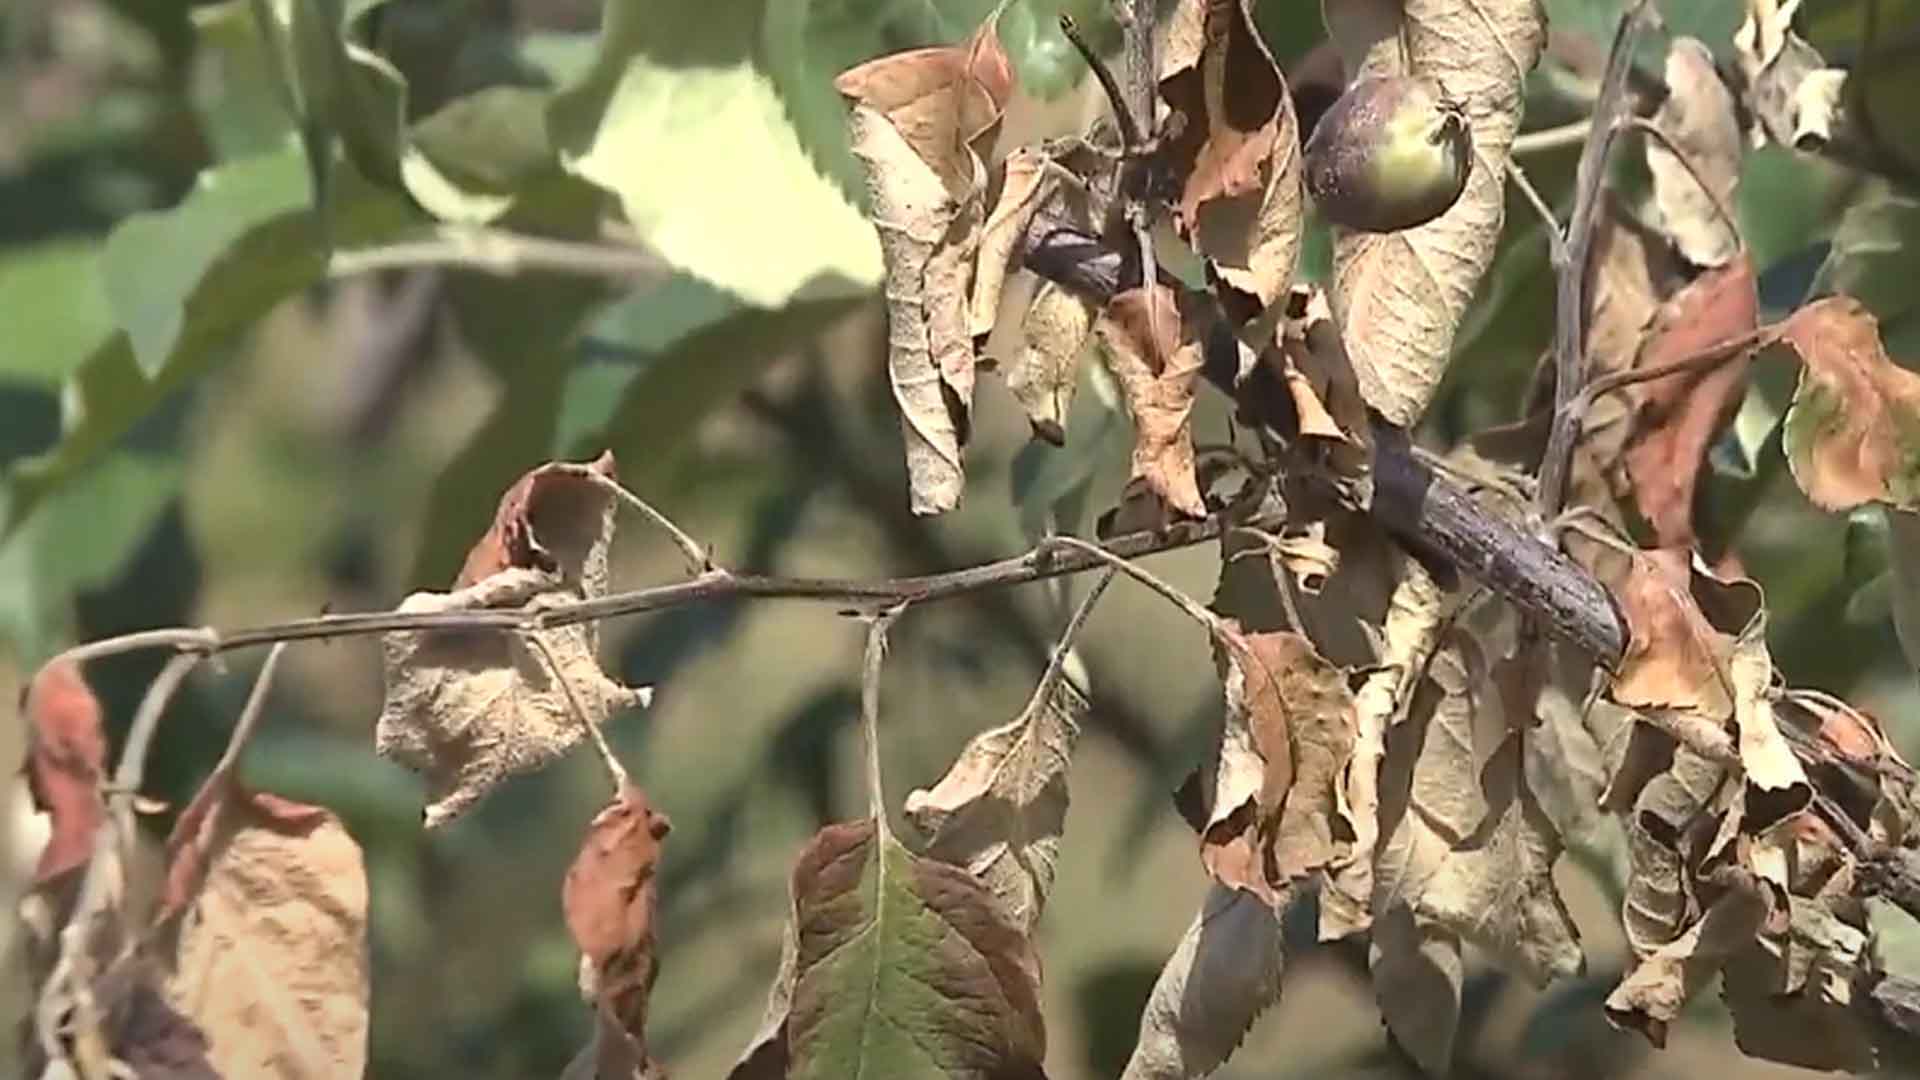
1793, 97
902, 966
267, 950
1664, 840
611, 902
471, 707
1399, 296
1676, 419
1045, 371
1272, 800
1152, 343
916, 119
1653, 993
1001, 809
1853, 431
1698, 119
1222, 975
1467, 847
1235, 152
66, 763
1028, 179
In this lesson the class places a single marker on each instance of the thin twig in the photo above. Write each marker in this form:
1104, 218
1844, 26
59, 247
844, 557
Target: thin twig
501, 253
1130, 137
1556, 243
852, 593
616, 772
1194, 609
1063, 646
1553, 138
129, 773
250, 714
872, 662
699, 559
1570, 318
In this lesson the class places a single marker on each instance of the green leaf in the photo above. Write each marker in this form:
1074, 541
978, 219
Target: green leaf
185, 283
56, 307
1876, 254
239, 96
905, 967
81, 539
680, 119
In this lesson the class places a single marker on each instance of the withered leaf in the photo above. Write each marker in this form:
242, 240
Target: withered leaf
1793, 97
1236, 154
66, 763
473, 707
1653, 993
1663, 841
1001, 808
1853, 431
1152, 343
1675, 659
1224, 973
1272, 796
1794, 1001
916, 119
1044, 373
902, 967
611, 902
1676, 419
268, 956
1466, 846
1028, 178
1698, 118
1399, 296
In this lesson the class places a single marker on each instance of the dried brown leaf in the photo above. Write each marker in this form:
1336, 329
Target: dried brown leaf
1467, 847
1653, 993
1676, 419
1273, 795
1675, 659
1001, 808
1853, 431
1794, 1001
1399, 296
1153, 346
1028, 178
1045, 371
66, 763
1698, 119
269, 957
1236, 151
941, 100
470, 708
611, 902
1222, 975
1663, 840
1793, 97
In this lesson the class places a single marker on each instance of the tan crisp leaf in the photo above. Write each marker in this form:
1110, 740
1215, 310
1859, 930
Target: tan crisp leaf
1224, 973
927, 237
1656, 906
941, 100
1676, 419
1853, 431
1399, 296
1236, 153
1000, 810
1698, 119
611, 902
1468, 848
1794, 98
1027, 179
1043, 375
1153, 347
470, 708
269, 956
1654, 992
1273, 796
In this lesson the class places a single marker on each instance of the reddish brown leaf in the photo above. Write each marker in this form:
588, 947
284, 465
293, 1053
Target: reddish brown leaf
66, 761
1853, 433
1675, 658
1677, 418
539, 521
611, 901
1153, 349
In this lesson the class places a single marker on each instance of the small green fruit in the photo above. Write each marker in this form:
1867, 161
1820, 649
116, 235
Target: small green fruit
1392, 153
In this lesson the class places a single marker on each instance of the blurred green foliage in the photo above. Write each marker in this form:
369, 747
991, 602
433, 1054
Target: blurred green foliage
203, 420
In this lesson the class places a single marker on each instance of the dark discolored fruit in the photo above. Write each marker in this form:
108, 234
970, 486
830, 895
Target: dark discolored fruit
1392, 153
